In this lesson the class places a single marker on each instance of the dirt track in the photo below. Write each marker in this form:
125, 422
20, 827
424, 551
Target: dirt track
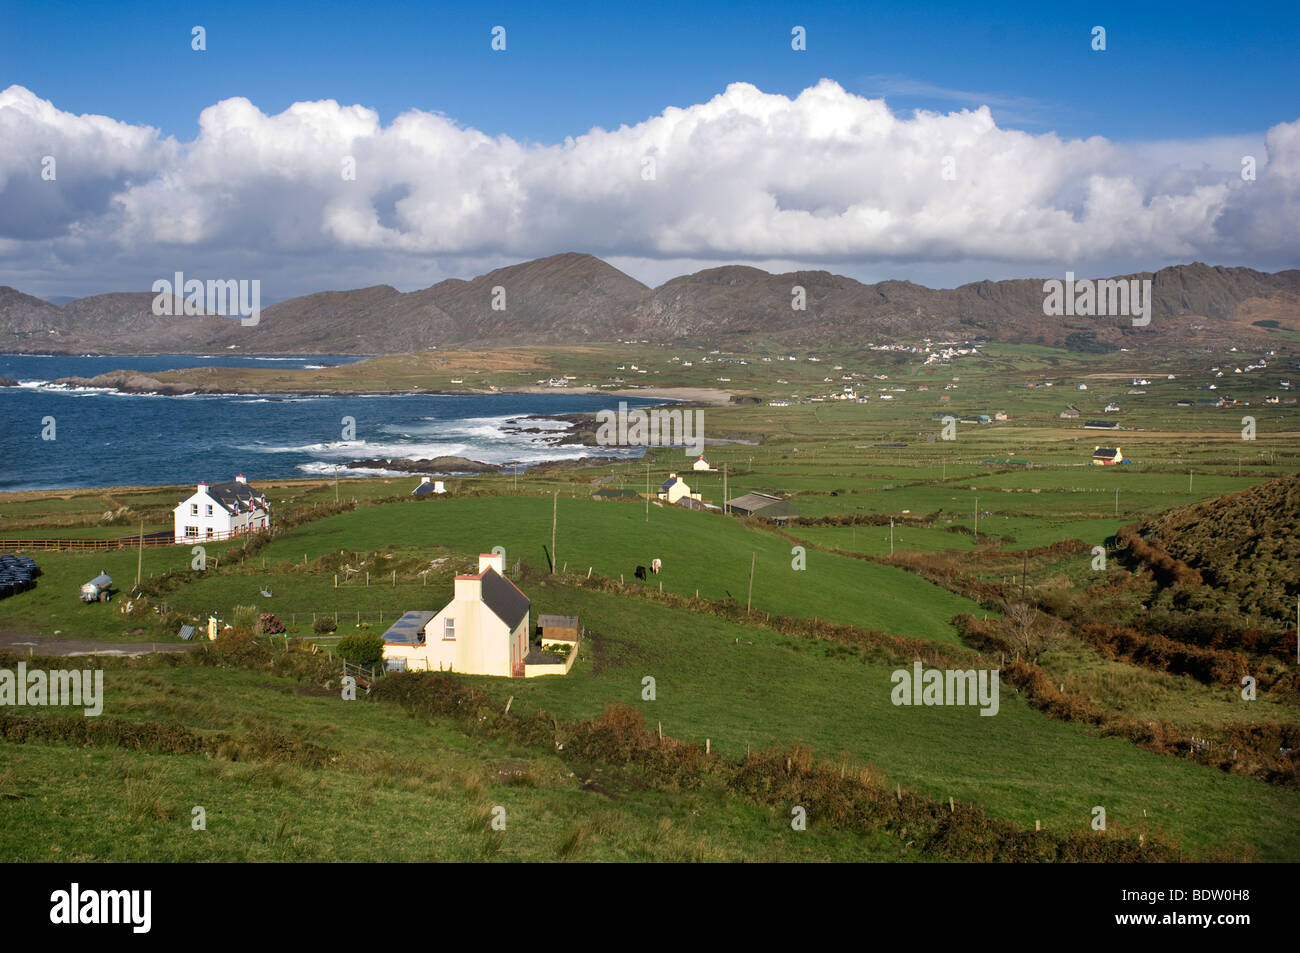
52, 645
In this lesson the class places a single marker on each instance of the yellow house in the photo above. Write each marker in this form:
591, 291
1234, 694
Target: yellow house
482, 631
674, 489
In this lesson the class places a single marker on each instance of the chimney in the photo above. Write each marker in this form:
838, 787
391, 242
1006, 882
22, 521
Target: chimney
203, 486
423, 480
495, 561
239, 478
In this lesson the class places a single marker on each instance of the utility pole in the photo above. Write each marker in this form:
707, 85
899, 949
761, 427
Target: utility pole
1189, 480
1023, 573
750, 598
1117, 501
891, 536
725, 507
139, 563
647, 492
977, 520
336, 483
555, 511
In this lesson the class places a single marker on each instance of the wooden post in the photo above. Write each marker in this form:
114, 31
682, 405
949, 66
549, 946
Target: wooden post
707, 744
951, 808
509, 701
336, 580
661, 731
749, 598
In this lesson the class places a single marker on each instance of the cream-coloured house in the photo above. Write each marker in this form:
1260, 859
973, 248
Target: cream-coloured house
674, 489
482, 631
703, 466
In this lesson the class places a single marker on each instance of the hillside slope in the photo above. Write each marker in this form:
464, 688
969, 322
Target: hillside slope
573, 298
1246, 544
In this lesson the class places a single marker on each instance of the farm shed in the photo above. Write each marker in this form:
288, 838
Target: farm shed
764, 505
558, 629
614, 494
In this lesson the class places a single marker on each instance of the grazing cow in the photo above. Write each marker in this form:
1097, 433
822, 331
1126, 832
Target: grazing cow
640, 572
656, 565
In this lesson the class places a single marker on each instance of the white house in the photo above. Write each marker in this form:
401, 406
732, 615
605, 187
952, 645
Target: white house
703, 465
674, 489
482, 631
222, 511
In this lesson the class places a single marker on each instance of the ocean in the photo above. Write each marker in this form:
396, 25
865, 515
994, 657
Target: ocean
105, 438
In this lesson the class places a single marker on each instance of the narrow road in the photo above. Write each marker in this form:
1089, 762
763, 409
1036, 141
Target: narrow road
51, 645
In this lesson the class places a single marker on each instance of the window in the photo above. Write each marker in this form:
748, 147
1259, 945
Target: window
191, 531
209, 532
395, 664
449, 630
194, 509
209, 509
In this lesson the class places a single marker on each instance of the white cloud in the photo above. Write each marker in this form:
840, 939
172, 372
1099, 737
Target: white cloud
828, 179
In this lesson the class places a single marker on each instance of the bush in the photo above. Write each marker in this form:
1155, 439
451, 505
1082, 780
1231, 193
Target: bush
323, 624
270, 624
366, 649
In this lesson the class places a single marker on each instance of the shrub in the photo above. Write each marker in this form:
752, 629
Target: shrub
270, 624
323, 624
365, 649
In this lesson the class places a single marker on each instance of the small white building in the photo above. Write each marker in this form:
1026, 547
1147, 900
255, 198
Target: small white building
221, 511
482, 631
703, 465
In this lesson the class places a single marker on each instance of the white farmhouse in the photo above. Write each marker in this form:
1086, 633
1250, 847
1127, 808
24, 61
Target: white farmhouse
222, 511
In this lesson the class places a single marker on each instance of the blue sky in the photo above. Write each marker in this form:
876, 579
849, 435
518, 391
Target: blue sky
1098, 162
568, 67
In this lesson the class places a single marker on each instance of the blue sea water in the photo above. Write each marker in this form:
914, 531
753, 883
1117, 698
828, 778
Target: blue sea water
106, 438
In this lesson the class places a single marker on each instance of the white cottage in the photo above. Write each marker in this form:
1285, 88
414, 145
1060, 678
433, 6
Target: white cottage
482, 631
222, 511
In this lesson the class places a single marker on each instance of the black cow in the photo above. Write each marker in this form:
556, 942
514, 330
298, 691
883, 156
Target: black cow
640, 572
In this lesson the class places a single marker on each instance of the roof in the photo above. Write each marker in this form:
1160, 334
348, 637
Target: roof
409, 628
670, 481
558, 621
504, 598
228, 494
759, 502
1105, 452
422, 489
615, 494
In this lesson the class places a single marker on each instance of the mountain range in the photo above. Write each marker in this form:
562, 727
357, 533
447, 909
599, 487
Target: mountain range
573, 297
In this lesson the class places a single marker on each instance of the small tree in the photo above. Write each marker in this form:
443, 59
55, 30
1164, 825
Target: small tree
323, 625
1029, 631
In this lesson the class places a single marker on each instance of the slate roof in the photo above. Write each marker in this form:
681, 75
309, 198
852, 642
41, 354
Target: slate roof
408, 629
558, 621
228, 494
503, 598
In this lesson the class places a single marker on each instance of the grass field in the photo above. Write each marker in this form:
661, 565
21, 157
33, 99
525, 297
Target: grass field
412, 788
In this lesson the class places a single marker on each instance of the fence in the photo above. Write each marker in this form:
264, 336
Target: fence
122, 542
